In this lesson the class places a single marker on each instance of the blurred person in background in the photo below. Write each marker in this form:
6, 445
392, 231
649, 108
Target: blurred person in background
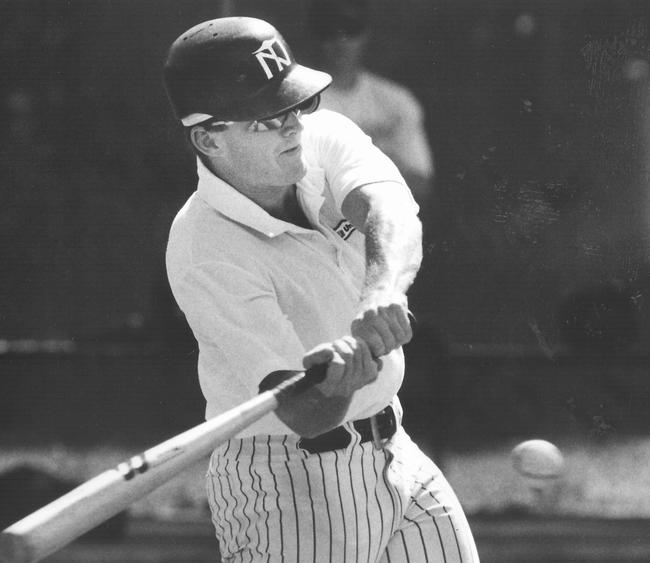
385, 110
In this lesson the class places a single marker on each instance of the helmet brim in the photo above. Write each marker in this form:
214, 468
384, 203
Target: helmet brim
298, 85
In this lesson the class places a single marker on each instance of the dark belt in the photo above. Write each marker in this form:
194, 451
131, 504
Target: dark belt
339, 437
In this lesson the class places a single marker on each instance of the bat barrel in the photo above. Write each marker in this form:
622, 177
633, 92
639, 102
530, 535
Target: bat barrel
55, 525
65, 519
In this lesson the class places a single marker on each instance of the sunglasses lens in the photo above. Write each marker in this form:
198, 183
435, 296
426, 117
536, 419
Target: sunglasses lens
269, 124
310, 105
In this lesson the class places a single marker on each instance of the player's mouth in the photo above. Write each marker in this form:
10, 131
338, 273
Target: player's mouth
292, 151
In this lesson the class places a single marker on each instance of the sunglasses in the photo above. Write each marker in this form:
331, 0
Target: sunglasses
275, 122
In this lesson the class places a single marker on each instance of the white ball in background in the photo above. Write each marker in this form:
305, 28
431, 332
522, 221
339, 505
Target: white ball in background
538, 459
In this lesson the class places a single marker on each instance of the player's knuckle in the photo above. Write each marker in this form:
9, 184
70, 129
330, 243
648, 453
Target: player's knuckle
394, 308
337, 359
348, 358
388, 336
370, 314
400, 335
375, 341
361, 329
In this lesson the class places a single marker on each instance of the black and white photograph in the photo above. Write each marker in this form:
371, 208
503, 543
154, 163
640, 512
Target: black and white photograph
325, 281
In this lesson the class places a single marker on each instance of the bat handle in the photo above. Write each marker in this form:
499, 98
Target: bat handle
283, 384
313, 375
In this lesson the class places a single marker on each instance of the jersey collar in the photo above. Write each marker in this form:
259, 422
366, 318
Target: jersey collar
229, 202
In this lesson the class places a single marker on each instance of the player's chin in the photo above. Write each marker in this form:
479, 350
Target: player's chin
294, 168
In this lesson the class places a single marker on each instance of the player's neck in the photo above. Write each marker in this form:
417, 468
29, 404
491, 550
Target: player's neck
281, 203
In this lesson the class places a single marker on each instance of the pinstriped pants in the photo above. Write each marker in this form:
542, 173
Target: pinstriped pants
272, 501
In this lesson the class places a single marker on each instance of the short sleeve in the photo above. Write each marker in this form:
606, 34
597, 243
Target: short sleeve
347, 155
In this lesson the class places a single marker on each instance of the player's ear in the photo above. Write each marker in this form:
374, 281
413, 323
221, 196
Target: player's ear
206, 140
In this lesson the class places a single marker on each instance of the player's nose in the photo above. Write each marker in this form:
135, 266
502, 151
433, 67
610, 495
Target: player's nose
292, 125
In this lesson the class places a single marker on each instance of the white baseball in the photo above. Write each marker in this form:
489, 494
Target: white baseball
538, 459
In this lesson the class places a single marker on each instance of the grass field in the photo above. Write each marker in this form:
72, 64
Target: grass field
605, 480
596, 513
498, 541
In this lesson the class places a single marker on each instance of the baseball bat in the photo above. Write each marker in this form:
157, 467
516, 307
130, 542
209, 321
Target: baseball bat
55, 525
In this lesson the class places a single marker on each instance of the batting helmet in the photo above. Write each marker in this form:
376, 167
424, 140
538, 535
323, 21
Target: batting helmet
236, 69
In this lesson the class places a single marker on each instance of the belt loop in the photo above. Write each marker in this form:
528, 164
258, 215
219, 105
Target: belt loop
355, 436
376, 437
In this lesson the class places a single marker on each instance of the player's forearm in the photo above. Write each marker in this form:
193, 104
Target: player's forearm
387, 216
385, 213
393, 247
312, 413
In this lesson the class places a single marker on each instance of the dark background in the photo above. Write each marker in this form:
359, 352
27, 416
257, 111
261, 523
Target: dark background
531, 304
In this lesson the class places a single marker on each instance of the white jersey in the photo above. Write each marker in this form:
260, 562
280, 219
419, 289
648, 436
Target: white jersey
259, 292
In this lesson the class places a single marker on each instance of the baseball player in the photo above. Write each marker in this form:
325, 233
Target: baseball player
297, 249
